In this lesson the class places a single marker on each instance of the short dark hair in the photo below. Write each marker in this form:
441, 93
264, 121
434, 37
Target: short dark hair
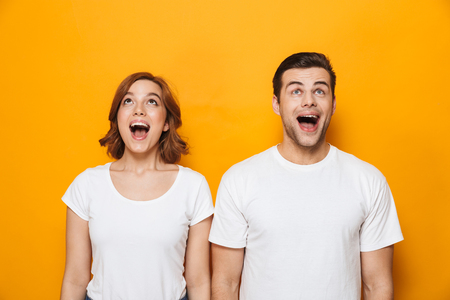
303, 60
171, 145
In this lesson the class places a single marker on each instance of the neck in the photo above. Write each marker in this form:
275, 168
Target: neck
140, 162
303, 155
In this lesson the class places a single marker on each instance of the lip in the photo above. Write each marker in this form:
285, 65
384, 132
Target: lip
309, 113
139, 121
139, 138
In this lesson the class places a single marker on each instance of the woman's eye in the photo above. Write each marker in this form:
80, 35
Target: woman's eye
152, 101
127, 101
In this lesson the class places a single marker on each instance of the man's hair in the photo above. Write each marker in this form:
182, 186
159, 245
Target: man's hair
171, 145
303, 60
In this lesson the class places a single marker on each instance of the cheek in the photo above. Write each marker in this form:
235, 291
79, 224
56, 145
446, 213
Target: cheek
158, 116
327, 106
289, 107
330, 108
122, 120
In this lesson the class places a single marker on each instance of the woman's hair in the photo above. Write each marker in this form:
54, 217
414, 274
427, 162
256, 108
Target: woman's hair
171, 145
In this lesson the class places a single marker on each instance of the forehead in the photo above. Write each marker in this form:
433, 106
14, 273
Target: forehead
305, 76
145, 86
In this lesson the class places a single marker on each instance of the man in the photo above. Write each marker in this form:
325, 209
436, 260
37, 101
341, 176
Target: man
303, 220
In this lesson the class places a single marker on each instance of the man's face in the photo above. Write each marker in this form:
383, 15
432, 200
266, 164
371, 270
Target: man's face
306, 105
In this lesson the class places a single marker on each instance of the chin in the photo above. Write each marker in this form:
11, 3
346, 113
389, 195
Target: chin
309, 142
138, 150
308, 145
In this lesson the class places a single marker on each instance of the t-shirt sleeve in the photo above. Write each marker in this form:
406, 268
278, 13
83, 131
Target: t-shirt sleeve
203, 205
75, 197
381, 227
229, 227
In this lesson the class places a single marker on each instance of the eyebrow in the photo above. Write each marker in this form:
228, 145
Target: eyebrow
149, 94
301, 83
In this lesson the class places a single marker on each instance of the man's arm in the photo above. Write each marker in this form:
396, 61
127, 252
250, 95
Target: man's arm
227, 266
376, 270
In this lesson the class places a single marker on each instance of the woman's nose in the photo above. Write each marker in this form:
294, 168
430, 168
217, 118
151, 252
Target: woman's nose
139, 111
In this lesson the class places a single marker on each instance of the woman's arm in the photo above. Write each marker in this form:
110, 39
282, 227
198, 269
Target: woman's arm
198, 279
78, 258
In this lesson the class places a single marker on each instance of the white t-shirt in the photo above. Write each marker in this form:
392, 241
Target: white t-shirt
303, 226
138, 247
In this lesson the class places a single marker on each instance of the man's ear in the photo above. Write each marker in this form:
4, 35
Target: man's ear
334, 105
275, 105
166, 126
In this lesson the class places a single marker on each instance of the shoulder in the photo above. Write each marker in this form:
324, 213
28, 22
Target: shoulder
358, 167
191, 176
193, 185
84, 188
252, 163
255, 165
92, 175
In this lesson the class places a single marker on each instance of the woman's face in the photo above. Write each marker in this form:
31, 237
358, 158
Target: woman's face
142, 117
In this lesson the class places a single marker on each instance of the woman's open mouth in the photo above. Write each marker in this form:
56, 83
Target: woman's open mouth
139, 130
308, 123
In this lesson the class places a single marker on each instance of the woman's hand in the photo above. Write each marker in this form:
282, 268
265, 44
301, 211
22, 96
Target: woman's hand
78, 258
198, 278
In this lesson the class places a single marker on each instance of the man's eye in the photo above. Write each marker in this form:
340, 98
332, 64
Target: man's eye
320, 92
296, 92
127, 101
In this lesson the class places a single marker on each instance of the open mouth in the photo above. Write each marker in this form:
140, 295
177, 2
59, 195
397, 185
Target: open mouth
139, 130
308, 122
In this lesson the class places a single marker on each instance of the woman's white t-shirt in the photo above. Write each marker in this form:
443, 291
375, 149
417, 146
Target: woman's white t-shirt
138, 247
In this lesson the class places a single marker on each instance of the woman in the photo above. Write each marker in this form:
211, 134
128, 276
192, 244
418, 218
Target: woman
134, 216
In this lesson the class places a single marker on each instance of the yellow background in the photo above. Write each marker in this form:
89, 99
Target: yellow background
61, 62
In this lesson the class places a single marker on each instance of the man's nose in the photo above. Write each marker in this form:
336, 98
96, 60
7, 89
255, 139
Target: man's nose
308, 100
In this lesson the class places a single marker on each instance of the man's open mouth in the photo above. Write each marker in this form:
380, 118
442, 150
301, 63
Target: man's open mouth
308, 122
139, 129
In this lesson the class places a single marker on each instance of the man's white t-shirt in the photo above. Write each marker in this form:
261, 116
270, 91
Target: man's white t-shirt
303, 226
138, 247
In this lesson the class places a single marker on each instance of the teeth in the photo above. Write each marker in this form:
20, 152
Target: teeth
309, 116
140, 124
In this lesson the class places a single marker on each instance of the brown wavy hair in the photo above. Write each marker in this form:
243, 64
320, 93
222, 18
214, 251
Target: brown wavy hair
171, 145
